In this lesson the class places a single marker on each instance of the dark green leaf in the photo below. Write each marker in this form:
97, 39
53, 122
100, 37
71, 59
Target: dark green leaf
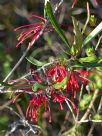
35, 61
55, 24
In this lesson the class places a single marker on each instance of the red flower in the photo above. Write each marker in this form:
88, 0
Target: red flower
73, 82
41, 99
82, 76
57, 73
34, 106
30, 31
58, 97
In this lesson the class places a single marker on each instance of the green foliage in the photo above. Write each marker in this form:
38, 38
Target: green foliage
88, 59
85, 101
97, 117
90, 51
76, 131
97, 80
88, 64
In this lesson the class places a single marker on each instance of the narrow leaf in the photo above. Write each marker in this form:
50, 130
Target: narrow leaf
94, 33
54, 23
35, 61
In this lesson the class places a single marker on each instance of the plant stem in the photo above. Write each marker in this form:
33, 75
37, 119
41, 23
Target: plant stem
81, 92
88, 18
70, 109
17, 64
90, 106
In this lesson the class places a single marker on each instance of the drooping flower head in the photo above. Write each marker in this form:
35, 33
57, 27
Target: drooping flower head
30, 31
58, 97
76, 77
33, 108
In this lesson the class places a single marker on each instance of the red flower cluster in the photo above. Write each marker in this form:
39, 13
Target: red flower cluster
30, 31
55, 74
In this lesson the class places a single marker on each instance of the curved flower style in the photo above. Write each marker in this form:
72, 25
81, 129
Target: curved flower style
34, 106
73, 82
30, 31
57, 73
58, 97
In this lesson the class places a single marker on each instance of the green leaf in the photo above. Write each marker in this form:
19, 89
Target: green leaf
94, 33
54, 23
35, 61
87, 65
37, 86
88, 59
61, 84
97, 117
